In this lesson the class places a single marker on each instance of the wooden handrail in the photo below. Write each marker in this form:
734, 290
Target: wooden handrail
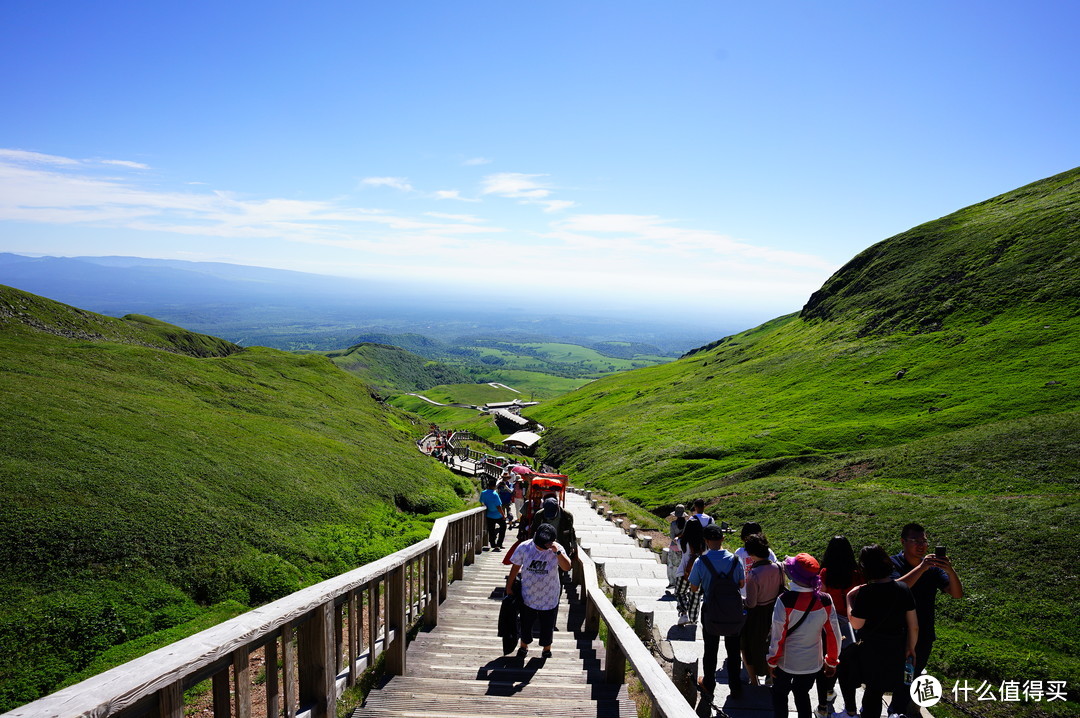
409, 585
624, 646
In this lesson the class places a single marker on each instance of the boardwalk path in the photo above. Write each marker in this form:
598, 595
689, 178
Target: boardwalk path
457, 670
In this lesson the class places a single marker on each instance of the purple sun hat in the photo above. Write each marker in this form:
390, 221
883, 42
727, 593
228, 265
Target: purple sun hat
803, 569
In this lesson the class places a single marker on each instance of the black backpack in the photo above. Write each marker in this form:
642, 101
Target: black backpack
723, 612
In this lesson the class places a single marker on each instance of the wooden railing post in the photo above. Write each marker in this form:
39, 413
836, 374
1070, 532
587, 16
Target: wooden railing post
339, 637
273, 685
395, 619
220, 691
354, 639
433, 588
242, 683
373, 618
614, 662
316, 662
459, 550
288, 670
171, 701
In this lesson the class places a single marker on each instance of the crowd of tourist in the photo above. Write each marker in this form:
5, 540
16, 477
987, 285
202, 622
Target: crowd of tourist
842, 621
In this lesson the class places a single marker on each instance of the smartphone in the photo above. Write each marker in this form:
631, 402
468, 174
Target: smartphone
939, 551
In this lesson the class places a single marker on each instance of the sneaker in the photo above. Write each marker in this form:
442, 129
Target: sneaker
844, 714
684, 619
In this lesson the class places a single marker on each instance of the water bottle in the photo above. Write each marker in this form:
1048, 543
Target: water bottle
909, 671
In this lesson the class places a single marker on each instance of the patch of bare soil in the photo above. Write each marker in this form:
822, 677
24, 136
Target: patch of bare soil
853, 471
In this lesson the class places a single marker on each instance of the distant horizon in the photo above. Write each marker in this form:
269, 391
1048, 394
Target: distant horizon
560, 306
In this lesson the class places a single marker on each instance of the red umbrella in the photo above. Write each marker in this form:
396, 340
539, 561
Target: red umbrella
523, 470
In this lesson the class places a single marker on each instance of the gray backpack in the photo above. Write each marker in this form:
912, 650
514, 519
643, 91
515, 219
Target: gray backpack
723, 612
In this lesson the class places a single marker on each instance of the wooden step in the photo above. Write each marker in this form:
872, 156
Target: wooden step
458, 670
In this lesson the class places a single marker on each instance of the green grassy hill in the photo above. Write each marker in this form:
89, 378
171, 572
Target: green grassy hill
149, 473
392, 369
934, 378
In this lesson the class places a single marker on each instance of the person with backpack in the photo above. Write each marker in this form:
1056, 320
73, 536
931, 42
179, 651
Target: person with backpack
718, 576
804, 627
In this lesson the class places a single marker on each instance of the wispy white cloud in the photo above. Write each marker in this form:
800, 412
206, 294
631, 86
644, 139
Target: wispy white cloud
476, 161
400, 183
36, 158
126, 163
515, 185
557, 205
653, 234
455, 217
452, 194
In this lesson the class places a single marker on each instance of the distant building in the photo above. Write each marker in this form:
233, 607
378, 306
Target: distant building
509, 422
524, 440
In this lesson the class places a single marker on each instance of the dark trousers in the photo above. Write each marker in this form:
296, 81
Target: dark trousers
710, 656
755, 638
883, 671
529, 616
847, 676
496, 531
798, 684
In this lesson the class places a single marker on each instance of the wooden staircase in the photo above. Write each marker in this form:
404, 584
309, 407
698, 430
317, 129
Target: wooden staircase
458, 670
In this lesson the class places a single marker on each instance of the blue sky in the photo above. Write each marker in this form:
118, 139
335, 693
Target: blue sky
716, 158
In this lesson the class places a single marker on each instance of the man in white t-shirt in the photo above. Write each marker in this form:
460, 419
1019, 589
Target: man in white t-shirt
538, 562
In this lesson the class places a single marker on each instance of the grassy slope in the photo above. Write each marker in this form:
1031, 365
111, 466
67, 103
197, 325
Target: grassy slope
140, 485
390, 368
932, 379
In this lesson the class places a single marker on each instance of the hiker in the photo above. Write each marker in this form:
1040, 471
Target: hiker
561, 520
803, 628
674, 557
718, 575
884, 614
538, 561
520, 487
699, 513
506, 495
764, 583
495, 516
692, 542
927, 574
748, 529
839, 574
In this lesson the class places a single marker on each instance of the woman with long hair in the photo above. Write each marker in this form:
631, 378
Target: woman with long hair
839, 574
